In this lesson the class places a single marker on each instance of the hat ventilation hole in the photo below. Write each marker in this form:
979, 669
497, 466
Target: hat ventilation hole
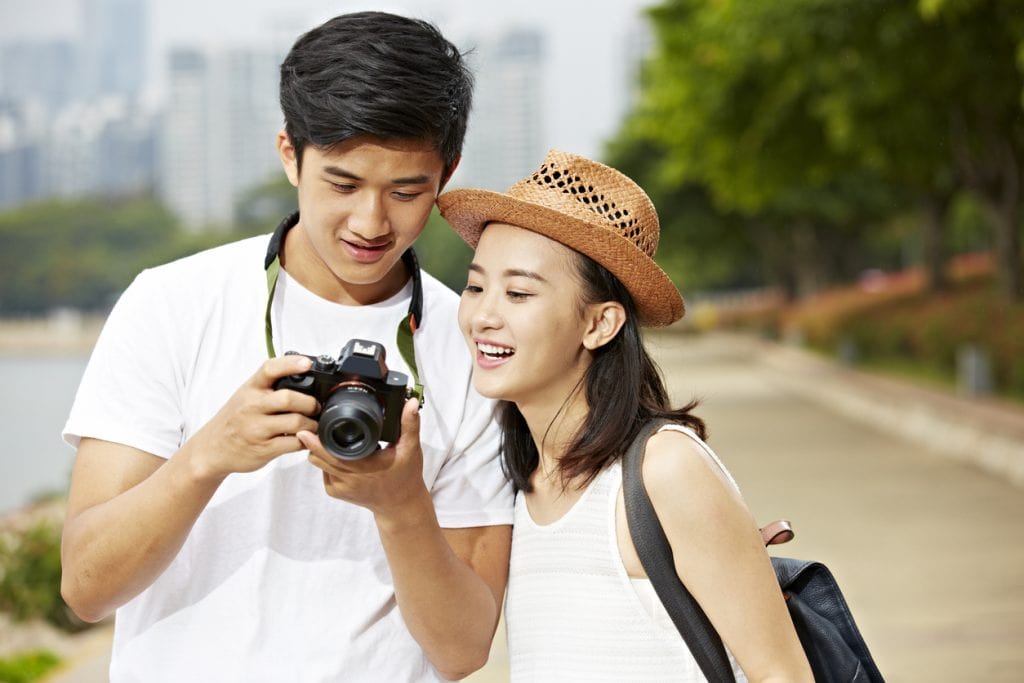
619, 218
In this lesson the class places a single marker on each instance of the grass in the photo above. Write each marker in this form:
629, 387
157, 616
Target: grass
26, 667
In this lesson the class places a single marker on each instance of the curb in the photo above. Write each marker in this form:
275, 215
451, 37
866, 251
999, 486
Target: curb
985, 432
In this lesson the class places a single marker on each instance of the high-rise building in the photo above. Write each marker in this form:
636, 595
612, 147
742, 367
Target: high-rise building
20, 158
104, 147
506, 130
70, 121
112, 47
217, 135
45, 71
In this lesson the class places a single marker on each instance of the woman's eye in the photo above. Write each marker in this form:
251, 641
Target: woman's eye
517, 296
473, 289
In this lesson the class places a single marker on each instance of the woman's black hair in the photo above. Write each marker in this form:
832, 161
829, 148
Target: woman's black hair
623, 389
379, 75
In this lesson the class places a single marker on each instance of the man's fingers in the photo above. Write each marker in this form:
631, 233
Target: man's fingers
281, 366
284, 444
289, 401
310, 441
410, 423
287, 423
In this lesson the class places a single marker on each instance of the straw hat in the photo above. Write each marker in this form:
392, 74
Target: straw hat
586, 206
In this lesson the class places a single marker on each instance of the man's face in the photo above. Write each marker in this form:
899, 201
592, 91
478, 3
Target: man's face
362, 204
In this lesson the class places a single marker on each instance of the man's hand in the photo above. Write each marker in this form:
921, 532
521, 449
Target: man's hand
257, 423
448, 582
381, 482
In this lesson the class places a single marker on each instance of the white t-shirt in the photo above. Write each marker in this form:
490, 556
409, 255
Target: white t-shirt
572, 612
277, 581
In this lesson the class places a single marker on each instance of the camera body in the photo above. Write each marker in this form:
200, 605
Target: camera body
360, 399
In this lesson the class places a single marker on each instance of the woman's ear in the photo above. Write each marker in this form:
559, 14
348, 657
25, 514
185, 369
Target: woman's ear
605, 320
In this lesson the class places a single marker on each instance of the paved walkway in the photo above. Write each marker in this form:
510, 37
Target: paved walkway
923, 534
928, 548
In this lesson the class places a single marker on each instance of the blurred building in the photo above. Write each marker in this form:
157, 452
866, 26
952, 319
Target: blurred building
103, 147
112, 47
506, 130
70, 120
21, 177
44, 71
217, 136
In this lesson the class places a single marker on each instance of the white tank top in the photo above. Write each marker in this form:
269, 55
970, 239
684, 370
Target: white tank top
573, 614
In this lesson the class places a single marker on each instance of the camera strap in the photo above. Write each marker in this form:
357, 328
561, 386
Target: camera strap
406, 328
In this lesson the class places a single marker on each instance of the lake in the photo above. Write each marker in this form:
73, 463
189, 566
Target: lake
37, 395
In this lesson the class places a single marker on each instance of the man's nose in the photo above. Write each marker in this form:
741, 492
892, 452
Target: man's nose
368, 219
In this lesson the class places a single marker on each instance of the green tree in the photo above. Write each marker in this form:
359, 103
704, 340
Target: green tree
701, 247
83, 253
442, 252
822, 118
262, 208
731, 99
985, 116
77, 254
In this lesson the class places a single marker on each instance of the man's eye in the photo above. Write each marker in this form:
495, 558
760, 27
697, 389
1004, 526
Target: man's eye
341, 187
406, 196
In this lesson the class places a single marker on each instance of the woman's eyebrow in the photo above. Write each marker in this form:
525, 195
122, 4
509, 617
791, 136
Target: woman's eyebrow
511, 272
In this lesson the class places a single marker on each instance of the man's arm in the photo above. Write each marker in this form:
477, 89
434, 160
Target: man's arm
449, 583
129, 512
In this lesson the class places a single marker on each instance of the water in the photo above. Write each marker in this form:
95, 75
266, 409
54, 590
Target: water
37, 393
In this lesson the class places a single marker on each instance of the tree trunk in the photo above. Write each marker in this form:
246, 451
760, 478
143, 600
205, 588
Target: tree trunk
773, 248
995, 177
1005, 219
810, 269
933, 241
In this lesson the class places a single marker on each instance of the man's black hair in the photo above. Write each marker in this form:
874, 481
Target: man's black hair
376, 74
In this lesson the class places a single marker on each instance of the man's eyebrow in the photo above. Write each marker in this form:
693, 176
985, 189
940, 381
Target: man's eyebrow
511, 272
411, 180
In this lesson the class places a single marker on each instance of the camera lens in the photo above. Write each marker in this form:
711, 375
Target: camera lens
350, 423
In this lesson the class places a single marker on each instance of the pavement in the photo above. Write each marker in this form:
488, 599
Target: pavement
914, 497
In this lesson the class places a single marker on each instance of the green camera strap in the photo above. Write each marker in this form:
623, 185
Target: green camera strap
406, 328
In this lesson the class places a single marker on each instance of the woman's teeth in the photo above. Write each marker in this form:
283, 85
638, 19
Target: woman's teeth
492, 351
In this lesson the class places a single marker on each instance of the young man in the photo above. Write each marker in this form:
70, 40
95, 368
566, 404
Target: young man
197, 507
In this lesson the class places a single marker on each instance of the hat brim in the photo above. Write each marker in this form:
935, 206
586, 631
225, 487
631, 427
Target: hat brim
657, 300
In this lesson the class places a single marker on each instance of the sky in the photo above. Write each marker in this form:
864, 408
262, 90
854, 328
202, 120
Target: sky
586, 40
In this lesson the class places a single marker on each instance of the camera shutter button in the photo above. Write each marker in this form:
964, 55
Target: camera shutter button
324, 363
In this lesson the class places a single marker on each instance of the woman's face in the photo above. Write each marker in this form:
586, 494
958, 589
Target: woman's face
522, 317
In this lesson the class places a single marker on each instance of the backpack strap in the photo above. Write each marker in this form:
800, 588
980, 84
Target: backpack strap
655, 554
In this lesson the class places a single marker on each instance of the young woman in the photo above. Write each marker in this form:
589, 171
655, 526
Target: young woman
562, 279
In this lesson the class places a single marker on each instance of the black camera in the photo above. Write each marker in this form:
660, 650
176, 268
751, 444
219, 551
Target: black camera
360, 399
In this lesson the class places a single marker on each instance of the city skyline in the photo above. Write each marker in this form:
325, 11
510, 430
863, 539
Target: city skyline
194, 116
585, 84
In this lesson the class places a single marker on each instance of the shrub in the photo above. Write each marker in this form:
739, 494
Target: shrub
27, 666
891, 318
30, 576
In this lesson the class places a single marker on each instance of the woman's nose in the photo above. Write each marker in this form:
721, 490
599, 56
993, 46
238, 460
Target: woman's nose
486, 315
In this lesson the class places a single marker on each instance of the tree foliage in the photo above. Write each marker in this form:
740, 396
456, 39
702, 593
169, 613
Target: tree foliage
815, 122
82, 254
